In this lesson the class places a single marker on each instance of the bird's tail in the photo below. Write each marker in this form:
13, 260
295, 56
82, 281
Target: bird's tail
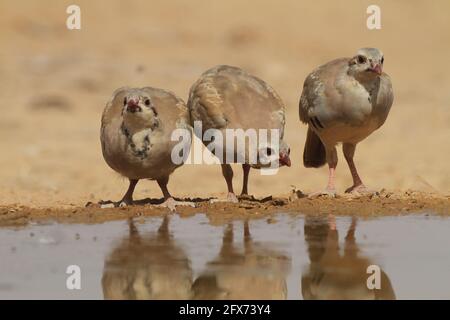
314, 155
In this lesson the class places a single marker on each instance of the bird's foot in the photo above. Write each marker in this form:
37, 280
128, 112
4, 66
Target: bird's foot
246, 196
327, 192
231, 197
124, 203
110, 204
172, 204
360, 190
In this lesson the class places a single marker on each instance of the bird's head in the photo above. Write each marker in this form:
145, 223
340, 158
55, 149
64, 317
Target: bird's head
138, 110
368, 62
284, 154
267, 155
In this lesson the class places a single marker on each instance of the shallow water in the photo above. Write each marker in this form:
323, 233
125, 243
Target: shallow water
286, 257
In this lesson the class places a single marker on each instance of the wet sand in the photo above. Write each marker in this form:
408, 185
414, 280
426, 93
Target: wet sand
381, 204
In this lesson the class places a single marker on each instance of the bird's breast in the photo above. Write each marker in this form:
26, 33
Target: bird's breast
141, 155
356, 104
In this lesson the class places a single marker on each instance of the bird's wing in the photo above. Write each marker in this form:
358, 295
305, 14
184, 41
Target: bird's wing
385, 98
205, 103
112, 141
312, 88
172, 114
274, 105
171, 109
322, 98
228, 97
113, 108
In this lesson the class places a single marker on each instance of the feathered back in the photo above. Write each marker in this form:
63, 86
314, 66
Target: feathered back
229, 97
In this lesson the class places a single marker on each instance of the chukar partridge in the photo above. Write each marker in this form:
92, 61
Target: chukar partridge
227, 97
136, 129
344, 101
251, 271
339, 272
150, 266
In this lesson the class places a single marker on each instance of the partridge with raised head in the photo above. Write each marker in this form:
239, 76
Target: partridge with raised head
136, 129
344, 101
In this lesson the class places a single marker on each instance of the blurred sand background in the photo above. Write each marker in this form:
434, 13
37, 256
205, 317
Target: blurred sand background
55, 82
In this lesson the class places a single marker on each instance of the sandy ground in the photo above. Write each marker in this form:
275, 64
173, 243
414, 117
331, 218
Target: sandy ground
54, 84
384, 203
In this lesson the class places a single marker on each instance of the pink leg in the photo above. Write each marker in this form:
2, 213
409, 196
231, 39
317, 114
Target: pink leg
127, 199
358, 186
169, 201
331, 177
227, 172
330, 190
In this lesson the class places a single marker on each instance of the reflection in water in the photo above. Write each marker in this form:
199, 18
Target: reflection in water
155, 266
191, 258
252, 272
147, 267
333, 275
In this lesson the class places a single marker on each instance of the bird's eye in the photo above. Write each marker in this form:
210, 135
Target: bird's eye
362, 59
147, 102
382, 60
289, 151
269, 151
125, 101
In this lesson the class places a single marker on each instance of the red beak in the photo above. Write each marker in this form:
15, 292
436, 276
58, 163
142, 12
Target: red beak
377, 69
133, 105
285, 160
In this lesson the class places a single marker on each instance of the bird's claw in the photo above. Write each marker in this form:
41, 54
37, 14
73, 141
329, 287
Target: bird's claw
231, 197
360, 190
172, 204
120, 204
123, 204
328, 192
246, 197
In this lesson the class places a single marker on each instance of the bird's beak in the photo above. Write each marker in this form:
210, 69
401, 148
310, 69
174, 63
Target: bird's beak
284, 160
133, 106
377, 69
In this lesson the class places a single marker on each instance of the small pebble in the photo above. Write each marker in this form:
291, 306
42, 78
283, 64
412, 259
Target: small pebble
107, 205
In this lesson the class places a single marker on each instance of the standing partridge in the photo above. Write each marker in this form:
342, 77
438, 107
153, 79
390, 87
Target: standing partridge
136, 129
227, 97
344, 101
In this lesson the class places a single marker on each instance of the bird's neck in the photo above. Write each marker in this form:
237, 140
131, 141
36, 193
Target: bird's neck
135, 125
138, 141
368, 81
